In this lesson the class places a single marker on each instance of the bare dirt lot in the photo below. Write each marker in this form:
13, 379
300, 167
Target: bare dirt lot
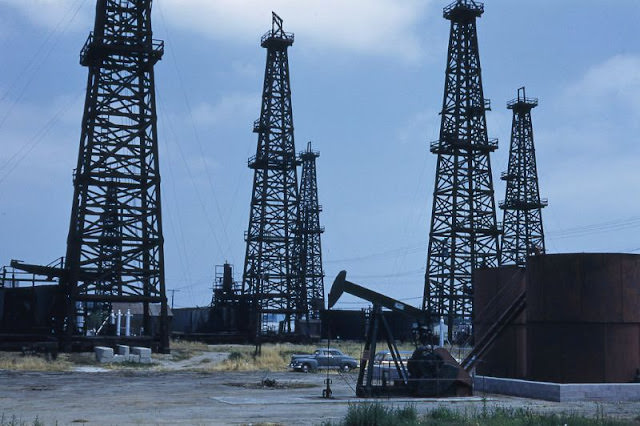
147, 396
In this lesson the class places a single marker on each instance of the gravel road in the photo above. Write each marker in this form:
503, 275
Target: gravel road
151, 397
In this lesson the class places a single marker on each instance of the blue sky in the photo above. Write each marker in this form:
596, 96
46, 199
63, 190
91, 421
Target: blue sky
367, 81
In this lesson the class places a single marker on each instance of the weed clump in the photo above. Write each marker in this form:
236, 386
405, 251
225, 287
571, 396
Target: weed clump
376, 414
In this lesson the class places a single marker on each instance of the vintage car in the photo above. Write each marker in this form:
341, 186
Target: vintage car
384, 369
323, 358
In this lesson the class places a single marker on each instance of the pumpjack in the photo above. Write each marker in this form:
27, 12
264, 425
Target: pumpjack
429, 372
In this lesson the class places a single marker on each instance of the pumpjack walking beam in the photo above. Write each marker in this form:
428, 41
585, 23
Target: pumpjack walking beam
377, 323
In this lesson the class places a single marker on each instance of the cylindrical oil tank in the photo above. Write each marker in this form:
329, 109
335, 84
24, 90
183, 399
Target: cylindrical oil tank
583, 317
494, 291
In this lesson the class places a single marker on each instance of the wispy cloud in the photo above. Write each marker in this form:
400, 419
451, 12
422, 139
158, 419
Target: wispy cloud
587, 150
371, 26
379, 27
609, 86
230, 107
58, 15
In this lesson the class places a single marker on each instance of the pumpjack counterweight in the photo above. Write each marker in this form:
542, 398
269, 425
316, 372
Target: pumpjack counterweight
464, 232
311, 272
115, 243
522, 221
271, 275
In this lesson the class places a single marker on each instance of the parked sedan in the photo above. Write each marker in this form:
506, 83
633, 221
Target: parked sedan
384, 369
323, 358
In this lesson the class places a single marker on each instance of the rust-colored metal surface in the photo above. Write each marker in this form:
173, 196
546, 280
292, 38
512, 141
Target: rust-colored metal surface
495, 289
583, 317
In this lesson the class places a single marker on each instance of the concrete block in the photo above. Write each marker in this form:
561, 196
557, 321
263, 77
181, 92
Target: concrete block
143, 352
123, 350
133, 358
119, 358
145, 360
103, 354
560, 392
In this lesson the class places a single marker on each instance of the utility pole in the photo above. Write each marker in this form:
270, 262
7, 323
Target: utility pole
173, 292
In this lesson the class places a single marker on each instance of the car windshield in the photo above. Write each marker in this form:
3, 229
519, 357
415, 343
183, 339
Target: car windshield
387, 357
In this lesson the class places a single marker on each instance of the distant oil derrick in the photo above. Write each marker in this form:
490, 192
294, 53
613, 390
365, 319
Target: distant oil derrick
114, 247
523, 232
271, 276
311, 272
464, 232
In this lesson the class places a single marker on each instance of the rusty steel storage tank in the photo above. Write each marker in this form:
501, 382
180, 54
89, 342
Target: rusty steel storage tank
494, 290
583, 317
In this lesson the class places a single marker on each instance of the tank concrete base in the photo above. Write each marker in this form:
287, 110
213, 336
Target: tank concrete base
560, 392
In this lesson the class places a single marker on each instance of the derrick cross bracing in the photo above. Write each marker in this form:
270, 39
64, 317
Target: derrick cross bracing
464, 231
271, 276
115, 243
311, 272
523, 234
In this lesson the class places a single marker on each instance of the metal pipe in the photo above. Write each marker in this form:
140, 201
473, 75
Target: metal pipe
118, 322
127, 322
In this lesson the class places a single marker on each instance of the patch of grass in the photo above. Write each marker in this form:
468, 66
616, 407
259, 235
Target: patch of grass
376, 414
18, 362
16, 421
273, 357
499, 416
181, 349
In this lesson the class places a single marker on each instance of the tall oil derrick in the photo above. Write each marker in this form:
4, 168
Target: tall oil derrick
115, 243
270, 274
311, 272
464, 232
523, 234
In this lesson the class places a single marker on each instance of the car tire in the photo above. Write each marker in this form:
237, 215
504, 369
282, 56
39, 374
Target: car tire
345, 368
306, 368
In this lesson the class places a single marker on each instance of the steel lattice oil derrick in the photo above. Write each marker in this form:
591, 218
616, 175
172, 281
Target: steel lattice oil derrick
311, 272
464, 231
115, 243
522, 221
270, 274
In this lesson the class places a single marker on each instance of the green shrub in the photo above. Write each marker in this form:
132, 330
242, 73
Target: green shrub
376, 414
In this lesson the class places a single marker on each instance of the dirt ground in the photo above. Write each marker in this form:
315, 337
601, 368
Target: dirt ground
141, 396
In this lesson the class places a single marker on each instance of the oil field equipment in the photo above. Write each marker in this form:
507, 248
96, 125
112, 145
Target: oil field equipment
309, 209
464, 232
523, 234
429, 371
115, 242
271, 268
229, 309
